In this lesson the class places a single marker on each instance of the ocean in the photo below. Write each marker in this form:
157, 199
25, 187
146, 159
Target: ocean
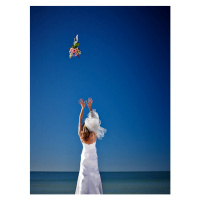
156, 182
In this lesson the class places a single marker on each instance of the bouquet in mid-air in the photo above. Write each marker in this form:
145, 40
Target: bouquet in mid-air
74, 50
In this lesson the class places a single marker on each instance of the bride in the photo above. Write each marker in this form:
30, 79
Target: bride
89, 180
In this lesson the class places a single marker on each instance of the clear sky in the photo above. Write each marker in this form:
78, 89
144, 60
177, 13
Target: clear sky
124, 67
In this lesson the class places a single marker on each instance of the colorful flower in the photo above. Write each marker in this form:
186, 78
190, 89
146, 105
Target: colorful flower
74, 50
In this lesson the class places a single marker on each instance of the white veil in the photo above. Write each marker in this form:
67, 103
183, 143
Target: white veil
92, 122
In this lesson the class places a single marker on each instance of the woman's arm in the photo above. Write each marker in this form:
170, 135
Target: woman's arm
81, 116
89, 104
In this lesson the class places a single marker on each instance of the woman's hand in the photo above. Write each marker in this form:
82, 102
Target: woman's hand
89, 102
82, 103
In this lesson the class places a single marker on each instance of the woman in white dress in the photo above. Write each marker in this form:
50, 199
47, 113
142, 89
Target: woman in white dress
89, 180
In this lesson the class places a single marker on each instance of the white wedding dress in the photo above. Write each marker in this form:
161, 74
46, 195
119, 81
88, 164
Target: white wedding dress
89, 180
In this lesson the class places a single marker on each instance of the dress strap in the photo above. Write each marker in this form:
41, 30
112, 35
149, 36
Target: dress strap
93, 137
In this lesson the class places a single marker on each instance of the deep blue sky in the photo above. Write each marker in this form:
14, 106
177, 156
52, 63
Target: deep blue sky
124, 67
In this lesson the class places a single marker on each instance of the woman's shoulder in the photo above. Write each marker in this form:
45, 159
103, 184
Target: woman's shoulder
92, 138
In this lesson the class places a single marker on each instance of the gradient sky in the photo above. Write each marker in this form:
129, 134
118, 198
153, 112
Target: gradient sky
124, 67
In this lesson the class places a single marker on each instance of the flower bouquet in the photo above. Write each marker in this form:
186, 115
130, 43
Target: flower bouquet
74, 50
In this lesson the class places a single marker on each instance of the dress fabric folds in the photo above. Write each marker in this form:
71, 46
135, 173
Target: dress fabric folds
89, 179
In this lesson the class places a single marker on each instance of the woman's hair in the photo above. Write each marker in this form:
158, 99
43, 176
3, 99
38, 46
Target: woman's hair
85, 132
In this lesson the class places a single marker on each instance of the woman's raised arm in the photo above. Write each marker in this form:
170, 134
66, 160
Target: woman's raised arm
89, 104
81, 116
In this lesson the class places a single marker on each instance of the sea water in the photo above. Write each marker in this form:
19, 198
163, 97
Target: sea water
156, 182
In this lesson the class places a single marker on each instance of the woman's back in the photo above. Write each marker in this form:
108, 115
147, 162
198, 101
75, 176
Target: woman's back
92, 138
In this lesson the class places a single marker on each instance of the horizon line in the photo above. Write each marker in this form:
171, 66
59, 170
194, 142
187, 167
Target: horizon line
107, 171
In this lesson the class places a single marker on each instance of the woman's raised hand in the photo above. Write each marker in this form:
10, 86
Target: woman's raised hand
82, 103
89, 102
